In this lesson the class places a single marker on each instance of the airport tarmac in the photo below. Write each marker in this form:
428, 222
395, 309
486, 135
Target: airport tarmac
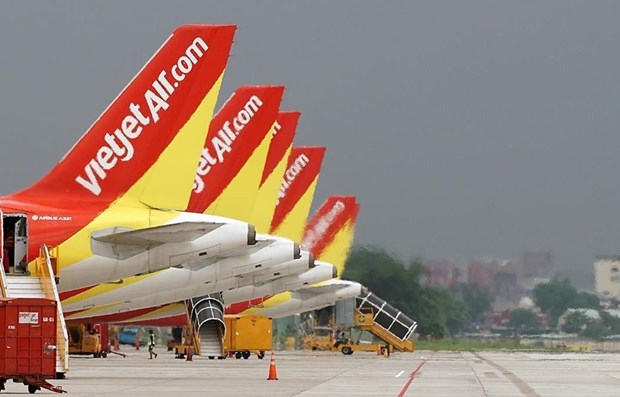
422, 373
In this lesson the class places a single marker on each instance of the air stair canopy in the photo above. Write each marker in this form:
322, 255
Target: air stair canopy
383, 320
206, 314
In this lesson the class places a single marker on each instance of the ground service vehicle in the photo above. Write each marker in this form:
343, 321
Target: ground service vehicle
28, 342
84, 339
247, 335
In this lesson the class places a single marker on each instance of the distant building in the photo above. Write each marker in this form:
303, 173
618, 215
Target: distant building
507, 291
536, 264
482, 274
607, 276
441, 272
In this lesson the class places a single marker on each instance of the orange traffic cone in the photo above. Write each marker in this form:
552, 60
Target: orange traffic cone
116, 345
379, 352
272, 368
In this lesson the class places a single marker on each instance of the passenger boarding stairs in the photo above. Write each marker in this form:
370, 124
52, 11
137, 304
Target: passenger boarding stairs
206, 315
40, 282
384, 321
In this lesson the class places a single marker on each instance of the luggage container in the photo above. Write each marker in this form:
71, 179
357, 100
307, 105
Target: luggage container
28, 342
248, 334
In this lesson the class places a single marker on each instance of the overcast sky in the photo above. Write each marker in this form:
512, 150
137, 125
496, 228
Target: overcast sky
465, 128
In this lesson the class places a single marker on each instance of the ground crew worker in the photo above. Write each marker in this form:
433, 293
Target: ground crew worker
151, 345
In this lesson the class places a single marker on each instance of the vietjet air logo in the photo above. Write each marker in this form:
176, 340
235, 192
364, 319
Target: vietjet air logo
291, 174
118, 145
222, 143
320, 228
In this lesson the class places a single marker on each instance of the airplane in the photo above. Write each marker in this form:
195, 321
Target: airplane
113, 204
178, 284
303, 168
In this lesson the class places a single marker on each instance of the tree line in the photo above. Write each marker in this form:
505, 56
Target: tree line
441, 312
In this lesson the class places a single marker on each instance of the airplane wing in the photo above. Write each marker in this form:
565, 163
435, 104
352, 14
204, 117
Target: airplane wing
122, 243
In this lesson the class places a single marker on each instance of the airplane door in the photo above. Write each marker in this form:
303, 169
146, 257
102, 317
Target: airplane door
20, 260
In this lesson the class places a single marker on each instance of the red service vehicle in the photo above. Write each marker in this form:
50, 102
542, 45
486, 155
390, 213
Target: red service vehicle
28, 342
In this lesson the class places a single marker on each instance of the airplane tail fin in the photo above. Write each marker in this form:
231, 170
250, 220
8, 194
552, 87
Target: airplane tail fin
297, 191
275, 165
229, 169
330, 231
170, 94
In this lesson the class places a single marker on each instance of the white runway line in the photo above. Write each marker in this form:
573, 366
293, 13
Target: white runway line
399, 374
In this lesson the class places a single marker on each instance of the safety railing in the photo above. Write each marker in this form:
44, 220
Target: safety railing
46, 268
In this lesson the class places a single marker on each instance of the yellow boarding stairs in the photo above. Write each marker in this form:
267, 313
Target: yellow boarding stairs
206, 324
40, 282
364, 320
384, 321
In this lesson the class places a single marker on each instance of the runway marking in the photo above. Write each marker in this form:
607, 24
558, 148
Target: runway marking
411, 378
514, 379
399, 374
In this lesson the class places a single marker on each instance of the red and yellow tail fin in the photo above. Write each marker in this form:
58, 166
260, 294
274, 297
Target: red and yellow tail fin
297, 191
230, 166
330, 231
275, 165
162, 110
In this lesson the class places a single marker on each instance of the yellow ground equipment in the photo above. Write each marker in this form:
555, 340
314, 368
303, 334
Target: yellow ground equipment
247, 335
187, 347
347, 340
85, 340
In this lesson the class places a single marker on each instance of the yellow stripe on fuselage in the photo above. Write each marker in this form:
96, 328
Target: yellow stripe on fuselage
104, 288
271, 302
173, 309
